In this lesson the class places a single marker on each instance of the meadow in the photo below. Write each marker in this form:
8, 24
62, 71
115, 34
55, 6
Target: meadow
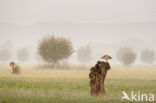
37, 85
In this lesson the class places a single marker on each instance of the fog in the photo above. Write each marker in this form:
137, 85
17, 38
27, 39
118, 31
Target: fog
104, 25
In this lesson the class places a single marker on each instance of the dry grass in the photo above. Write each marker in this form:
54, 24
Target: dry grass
116, 72
72, 85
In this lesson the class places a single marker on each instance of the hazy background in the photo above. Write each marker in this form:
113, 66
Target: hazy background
105, 25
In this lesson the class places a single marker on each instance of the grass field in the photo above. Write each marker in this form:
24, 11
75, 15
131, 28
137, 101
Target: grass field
35, 85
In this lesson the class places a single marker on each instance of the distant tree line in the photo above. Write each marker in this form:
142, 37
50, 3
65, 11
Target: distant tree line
54, 49
127, 56
6, 53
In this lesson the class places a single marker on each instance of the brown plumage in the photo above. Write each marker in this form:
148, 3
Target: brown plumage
106, 57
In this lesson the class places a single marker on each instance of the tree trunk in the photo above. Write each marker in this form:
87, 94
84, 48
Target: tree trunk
97, 83
56, 64
102, 79
97, 78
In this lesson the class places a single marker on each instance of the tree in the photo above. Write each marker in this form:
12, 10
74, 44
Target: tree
84, 54
5, 54
53, 49
23, 54
147, 56
126, 55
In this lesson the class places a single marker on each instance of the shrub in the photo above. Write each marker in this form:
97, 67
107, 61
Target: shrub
16, 69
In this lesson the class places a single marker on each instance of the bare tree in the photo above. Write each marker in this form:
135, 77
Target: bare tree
53, 49
126, 55
147, 56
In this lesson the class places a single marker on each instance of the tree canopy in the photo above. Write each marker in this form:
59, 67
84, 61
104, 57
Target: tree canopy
126, 55
147, 56
53, 49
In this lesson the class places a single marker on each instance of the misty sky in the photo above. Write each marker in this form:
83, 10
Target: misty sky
109, 24
32, 11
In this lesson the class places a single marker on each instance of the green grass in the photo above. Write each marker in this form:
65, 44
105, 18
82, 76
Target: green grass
56, 100
68, 90
60, 86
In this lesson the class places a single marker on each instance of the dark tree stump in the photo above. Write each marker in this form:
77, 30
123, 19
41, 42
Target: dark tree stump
97, 77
